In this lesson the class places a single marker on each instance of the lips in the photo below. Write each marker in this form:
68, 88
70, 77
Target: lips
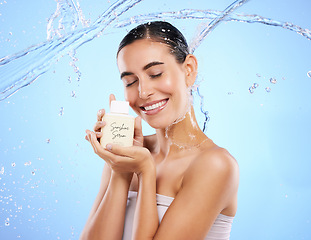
154, 107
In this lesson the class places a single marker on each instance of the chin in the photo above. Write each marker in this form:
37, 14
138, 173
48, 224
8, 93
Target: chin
159, 124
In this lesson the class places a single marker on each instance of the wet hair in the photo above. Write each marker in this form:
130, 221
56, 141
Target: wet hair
159, 31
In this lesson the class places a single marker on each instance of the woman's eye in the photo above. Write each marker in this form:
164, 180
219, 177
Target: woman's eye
130, 84
156, 75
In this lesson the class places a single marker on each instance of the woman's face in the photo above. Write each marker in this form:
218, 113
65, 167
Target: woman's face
155, 84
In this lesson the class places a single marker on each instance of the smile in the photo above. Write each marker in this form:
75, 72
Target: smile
154, 108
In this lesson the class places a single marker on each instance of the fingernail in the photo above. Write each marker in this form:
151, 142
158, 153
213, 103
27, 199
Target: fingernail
109, 147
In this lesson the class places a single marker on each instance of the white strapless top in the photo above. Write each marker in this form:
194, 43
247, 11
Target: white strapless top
219, 231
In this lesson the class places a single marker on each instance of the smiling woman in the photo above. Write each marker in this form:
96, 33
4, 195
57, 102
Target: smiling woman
148, 189
253, 71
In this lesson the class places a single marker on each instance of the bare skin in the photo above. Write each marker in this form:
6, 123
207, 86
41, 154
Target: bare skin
202, 177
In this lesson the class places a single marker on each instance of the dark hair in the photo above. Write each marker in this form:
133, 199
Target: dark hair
159, 31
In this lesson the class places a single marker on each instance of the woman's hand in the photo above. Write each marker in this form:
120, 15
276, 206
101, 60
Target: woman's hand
138, 134
135, 159
121, 159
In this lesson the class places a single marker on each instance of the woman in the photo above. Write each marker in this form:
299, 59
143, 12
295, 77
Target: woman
176, 184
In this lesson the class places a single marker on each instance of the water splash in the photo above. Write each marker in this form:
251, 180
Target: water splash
210, 15
202, 109
17, 71
69, 15
210, 26
23, 68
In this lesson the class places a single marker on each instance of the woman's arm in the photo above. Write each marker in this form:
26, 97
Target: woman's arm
146, 220
105, 178
106, 220
209, 186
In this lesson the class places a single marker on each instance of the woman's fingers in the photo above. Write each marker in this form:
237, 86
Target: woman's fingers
138, 133
99, 134
100, 114
98, 149
98, 125
111, 98
131, 152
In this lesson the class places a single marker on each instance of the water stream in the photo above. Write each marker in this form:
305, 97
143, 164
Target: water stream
21, 69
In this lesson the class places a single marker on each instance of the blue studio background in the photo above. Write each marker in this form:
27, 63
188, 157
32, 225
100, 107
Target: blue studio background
256, 88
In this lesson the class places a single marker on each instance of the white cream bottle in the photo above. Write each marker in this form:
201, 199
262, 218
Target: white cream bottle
119, 128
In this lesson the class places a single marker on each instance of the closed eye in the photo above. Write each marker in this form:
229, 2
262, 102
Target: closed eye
155, 76
130, 84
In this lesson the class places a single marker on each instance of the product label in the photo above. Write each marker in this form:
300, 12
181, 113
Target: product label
117, 131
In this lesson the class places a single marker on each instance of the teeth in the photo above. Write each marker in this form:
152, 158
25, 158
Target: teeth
156, 105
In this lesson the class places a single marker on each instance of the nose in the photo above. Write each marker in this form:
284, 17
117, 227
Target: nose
145, 89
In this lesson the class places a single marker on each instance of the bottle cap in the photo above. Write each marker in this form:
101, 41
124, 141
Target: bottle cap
119, 107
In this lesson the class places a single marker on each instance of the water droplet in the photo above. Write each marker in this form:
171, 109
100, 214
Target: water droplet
163, 30
251, 90
7, 224
268, 89
69, 79
309, 74
33, 173
61, 111
73, 93
254, 86
2, 170
273, 80
27, 163
48, 140
258, 75
13, 164
230, 93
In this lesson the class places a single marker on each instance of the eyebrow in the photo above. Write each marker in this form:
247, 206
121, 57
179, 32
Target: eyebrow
149, 65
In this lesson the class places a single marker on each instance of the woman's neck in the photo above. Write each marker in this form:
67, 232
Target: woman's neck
184, 134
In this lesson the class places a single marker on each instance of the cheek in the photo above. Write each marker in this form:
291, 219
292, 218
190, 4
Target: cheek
130, 95
166, 86
174, 84
169, 84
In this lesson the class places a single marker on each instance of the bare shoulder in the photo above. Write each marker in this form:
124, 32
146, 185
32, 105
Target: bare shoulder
213, 164
217, 158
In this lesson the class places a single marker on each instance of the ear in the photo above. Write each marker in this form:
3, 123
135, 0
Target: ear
191, 67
